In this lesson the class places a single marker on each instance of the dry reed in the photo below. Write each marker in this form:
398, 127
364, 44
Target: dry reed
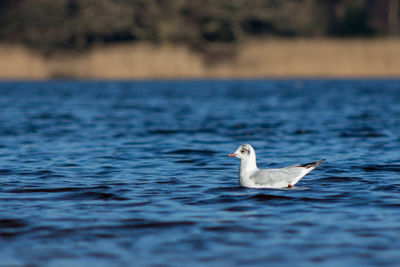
257, 58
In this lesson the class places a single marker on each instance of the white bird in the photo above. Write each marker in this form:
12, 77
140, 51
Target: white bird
253, 177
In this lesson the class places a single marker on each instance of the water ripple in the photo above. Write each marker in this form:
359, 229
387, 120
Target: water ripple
122, 173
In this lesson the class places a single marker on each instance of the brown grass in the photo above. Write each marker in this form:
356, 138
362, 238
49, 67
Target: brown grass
258, 58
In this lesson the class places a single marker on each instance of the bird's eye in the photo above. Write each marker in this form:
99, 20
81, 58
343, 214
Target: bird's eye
242, 151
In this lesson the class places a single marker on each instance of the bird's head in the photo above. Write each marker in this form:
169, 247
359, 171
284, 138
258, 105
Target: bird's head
243, 152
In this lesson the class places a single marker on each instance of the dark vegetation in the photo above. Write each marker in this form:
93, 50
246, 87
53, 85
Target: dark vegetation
202, 24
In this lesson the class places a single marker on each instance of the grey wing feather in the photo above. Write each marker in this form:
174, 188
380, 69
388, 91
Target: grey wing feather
284, 176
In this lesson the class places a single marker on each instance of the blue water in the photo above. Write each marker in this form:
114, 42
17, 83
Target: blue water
136, 173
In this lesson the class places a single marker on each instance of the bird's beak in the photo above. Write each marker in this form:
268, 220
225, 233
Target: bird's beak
232, 155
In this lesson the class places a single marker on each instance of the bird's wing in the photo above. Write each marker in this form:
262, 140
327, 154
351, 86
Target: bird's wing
278, 177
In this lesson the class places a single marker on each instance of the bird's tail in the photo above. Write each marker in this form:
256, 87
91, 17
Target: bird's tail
312, 164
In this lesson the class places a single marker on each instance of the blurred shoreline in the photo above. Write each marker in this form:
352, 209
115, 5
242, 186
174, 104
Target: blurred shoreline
267, 58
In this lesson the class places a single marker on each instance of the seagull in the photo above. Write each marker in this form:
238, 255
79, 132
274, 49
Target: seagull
253, 177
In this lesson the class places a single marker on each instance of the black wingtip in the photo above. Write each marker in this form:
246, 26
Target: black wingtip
313, 164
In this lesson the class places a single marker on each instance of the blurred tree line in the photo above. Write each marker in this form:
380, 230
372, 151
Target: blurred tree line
201, 24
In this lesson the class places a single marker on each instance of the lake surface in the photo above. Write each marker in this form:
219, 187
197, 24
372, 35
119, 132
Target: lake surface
136, 173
